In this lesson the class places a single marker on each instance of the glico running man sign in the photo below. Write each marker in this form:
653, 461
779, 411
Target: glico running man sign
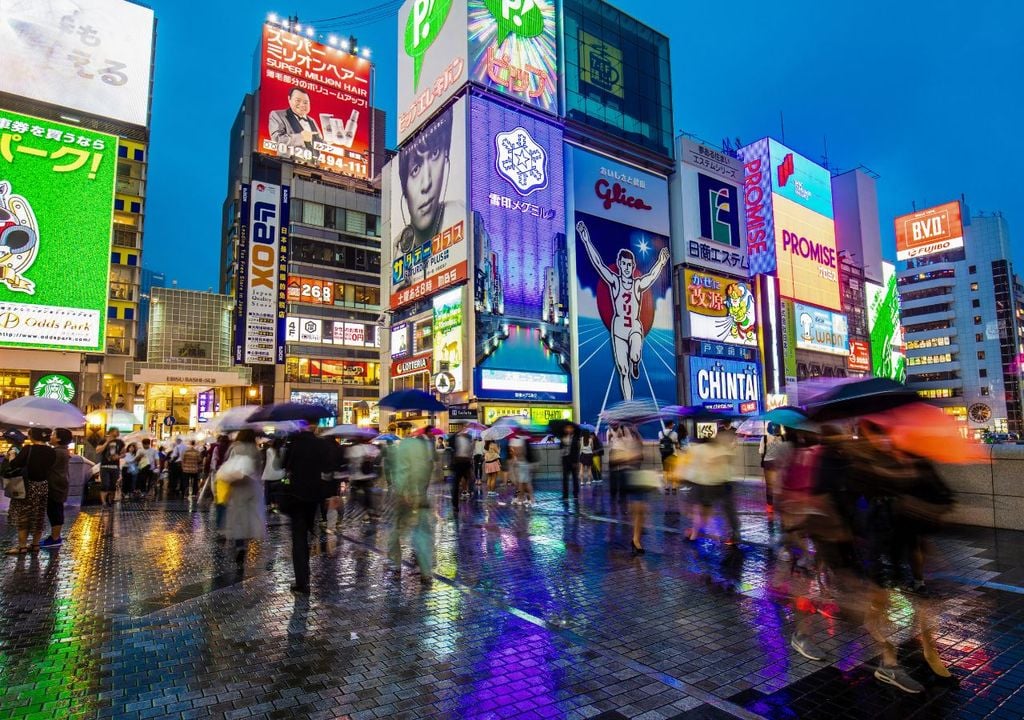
262, 296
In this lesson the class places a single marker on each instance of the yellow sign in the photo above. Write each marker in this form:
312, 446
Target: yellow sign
542, 416
601, 65
493, 412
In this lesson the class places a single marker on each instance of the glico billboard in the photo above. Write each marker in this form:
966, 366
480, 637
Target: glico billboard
314, 104
56, 204
790, 230
928, 232
507, 46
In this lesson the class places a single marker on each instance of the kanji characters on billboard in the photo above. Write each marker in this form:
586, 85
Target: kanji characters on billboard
719, 308
314, 103
935, 230
56, 205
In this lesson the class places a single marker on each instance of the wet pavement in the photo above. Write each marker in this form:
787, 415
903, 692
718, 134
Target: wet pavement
532, 614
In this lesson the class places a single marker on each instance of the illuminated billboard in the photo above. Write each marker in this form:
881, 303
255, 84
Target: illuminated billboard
448, 328
262, 297
399, 340
428, 210
860, 356
888, 357
731, 387
821, 330
935, 230
432, 59
625, 318
56, 205
90, 55
513, 49
522, 265
314, 104
719, 308
790, 230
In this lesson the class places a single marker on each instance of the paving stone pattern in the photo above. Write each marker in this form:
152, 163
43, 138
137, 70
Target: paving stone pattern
532, 614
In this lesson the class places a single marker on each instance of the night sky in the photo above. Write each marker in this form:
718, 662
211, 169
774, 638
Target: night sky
926, 94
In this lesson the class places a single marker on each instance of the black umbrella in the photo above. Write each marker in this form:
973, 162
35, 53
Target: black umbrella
15, 436
279, 412
860, 398
412, 400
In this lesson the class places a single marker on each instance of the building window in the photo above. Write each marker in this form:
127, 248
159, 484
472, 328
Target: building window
976, 303
977, 319
111, 312
355, 222
139, 155
122, 151
981, 354
371, 225
984, 390
978, 337
982, 372
973, 269
974, 287
312, 213
129, 313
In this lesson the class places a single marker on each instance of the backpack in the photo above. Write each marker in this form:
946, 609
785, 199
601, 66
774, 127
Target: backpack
665, 444
802, 475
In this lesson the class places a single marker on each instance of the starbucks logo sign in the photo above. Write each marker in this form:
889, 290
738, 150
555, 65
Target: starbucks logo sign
57, 387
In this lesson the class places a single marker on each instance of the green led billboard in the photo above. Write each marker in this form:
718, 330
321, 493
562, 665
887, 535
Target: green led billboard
56, 203
884, 329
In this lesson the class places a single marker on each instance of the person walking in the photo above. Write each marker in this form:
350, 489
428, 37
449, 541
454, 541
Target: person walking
492, 467
362, 473
273, 471
129, 472
711, 474
479, 447
668, 444
587, 458
175, 476
147, 460
618, 465
110, 453
522, 469
414, 468
191, 466
570, 449
245, 514
306, 459
462, 464
26, 514
57, 487
640, 483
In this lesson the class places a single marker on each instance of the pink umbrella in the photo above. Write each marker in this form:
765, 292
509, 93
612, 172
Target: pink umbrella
924, 430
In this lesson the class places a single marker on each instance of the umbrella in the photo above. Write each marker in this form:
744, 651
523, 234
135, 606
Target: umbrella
351, 431
864, 397
32, 411
412, 400
633, 411
115, 417
498, 432
15, 436
290, 411
924, 430
386, 437
785, 416
510, 420
137, 437
752, 426
587, 426
680, 410
429, 430
236, 418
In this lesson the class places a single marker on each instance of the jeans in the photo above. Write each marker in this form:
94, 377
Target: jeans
570, 468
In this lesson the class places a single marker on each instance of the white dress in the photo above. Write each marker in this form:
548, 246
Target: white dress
245, 518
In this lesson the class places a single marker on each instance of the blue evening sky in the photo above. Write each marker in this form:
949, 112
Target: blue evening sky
926, 93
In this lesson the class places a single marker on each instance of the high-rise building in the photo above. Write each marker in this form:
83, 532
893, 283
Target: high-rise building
61, 97
301, 226
962, 315
512, 217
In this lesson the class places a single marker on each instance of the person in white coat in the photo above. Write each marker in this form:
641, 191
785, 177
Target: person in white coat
245, 518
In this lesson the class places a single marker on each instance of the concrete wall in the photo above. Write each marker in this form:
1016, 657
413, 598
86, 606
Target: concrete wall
990, 495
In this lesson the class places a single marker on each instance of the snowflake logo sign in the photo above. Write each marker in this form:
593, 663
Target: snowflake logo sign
521, 161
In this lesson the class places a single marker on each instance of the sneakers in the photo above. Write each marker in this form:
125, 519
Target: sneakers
51, 544
806, 647
897, 676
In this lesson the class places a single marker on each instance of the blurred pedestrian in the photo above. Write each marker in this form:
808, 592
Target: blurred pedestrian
175, 476
569, 446
362, 474
462, 464
586, 458
668, 444
619, 464
523, 458
245, 513
776, 449
478, 462
147, 459
306, 459
710, 471
26, 515
191, 466
337, 470
129, 471
110, 453
640, 483
57, 487
492, 467
414, 467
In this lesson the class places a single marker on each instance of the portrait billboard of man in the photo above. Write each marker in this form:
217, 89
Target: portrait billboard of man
293, 126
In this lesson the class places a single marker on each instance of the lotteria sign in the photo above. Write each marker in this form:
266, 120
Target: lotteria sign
726, 386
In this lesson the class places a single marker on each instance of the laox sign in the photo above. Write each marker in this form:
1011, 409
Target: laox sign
264, 238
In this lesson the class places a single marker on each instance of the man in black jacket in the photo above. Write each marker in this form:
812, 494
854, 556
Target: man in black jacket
570, 447
305, 459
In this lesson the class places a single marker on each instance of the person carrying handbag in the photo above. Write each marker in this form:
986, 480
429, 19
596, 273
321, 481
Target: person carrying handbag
28, 511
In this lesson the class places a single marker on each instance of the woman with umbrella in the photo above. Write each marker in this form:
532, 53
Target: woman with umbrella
245, 514
27, 513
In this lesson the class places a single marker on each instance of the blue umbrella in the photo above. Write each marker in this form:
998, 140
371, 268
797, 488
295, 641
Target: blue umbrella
386, 437
785, 416
412, 400
279, 412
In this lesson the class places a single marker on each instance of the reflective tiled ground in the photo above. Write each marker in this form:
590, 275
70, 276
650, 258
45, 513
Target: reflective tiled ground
531, 615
